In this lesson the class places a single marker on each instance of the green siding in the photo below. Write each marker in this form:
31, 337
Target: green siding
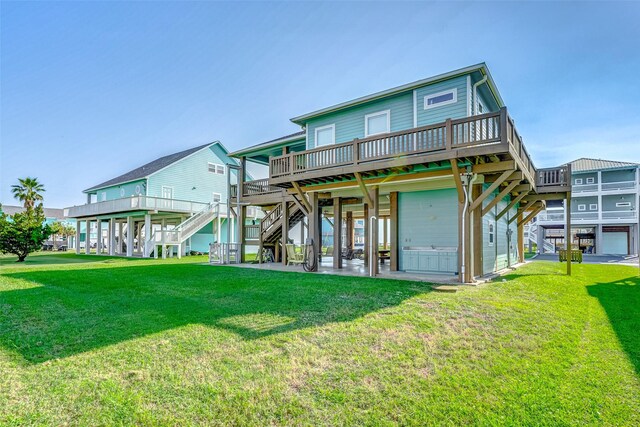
123, 190
190, 178
619, 175
496, 257
349, 123
609, 202
583, 201
450, 111
584, 177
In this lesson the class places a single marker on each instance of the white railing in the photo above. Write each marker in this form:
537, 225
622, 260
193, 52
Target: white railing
619, 215
583, 188
188, 227
623, 185
133, 204
587, 216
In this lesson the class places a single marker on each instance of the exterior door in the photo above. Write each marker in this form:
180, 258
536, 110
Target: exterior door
167, 193
615, 243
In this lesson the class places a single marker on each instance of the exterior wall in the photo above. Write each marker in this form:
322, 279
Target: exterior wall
123, 190
449, 111
584, 176
504, 249
190, 178
429, 220
587, 201
349, 123
619, 175
609, 202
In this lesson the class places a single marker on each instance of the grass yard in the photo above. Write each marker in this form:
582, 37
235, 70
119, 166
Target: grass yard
102, 341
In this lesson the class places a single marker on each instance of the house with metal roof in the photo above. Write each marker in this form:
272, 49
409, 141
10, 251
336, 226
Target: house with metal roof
435, 169
604, 208
172, 205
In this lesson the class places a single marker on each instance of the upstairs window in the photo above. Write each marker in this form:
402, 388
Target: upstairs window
623, 205
376, 123
582, 207
578, 181
216, 197
593, 207
491, 234
325, 135
216, 168
441, 98
590, 180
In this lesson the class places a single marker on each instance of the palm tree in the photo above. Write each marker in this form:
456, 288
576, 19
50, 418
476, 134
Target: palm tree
28, 191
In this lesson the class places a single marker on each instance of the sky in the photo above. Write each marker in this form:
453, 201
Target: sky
90, 90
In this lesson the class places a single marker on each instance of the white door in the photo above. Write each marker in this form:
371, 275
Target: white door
167, 193
615, 243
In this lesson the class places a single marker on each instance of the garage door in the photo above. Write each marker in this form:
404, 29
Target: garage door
614, 243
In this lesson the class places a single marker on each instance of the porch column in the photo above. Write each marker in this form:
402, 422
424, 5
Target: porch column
374, 212
567, 231
349, 236
163, 229
112, 236
242, 214
464, 243
476, 234
77, 237
147, 235
393, 238
130, 233
337, 233
385, 232
315, 225
521, 242
599, 238
366, 236
99, 242
285, 230
87, 237
120, 236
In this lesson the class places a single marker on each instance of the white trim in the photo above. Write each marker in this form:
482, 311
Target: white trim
379, 113
213, 198
138, 189
623, 204
162, 191
582, 207
453, 91
469, 96
577, 181
593, 206
315, 134
492, 233
590, 180
415, 108
215, 168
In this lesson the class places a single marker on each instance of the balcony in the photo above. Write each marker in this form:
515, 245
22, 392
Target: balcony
616, 186
135, 203
258, 191
577, 217
492, 134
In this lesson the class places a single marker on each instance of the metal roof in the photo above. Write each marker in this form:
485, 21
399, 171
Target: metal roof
482, 67
48, 212
585, 164
272, 143
150, 168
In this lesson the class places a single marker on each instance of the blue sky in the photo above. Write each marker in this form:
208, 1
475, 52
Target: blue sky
92, 89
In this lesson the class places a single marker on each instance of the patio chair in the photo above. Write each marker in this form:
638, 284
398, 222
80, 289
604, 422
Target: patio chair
292, 256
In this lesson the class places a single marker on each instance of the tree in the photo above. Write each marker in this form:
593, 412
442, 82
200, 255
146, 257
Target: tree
23, 232
57, 229
28, 191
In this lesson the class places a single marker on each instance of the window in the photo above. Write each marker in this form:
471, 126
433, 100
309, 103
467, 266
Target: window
480, 108
216, 197
103, 196
623, 204
441, 98
215, 168
582, 207
593, 207
376, 123
578, 181
590, 180
325, 135
491, 234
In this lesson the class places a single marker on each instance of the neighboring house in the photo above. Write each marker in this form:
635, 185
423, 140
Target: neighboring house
51, 215
406, 157
604, 210
177, 202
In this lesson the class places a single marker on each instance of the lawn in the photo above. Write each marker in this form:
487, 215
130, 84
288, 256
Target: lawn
95, 341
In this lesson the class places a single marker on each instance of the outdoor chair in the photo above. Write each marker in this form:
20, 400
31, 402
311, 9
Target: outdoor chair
292, 256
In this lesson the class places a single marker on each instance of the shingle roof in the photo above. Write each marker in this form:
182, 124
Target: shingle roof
151, 167
48, 212
585, 164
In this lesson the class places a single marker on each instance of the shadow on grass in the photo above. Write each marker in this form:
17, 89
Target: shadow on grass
621, 301
76, 310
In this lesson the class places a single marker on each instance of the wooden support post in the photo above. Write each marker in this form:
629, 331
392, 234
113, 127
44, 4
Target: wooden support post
112, 236
349, 236
366, 237
337, 233
385, 232
147, 235
130, 233
315, 226
520, 243
242, 215
374, 213
393, 223
78, 223
476, 233
285, 229
478, 202
567, 231
87, 237
99, 237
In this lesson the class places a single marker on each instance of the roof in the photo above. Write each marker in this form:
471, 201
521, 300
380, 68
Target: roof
48, 212
585, 164
272, 144
150, 168
482, 67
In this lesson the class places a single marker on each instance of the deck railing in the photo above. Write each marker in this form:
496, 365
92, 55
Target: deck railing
255, 188
485, 129
252, 232
134, 203
554, 177
271, 218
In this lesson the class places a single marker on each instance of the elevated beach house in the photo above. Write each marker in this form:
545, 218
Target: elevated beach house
176, 202
435, 168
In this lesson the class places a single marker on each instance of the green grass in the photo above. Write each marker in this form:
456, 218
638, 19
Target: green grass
102, 341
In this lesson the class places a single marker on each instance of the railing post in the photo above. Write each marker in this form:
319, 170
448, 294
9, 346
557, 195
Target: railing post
503, 126
448, 137
354, 146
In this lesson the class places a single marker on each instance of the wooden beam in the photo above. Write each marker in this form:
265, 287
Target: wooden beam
363, 188
530, 216
511, 205
478, 202
522, 188
520, 212
515, 176
494, 167
499, 197
536, 197
458, 181
303, 198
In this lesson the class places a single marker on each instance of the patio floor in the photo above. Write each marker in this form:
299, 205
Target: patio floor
357, 268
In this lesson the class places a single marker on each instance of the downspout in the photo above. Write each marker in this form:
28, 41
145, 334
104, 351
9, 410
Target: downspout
475, 93
470, 178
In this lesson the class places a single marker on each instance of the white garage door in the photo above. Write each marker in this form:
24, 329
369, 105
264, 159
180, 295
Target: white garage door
614, 243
